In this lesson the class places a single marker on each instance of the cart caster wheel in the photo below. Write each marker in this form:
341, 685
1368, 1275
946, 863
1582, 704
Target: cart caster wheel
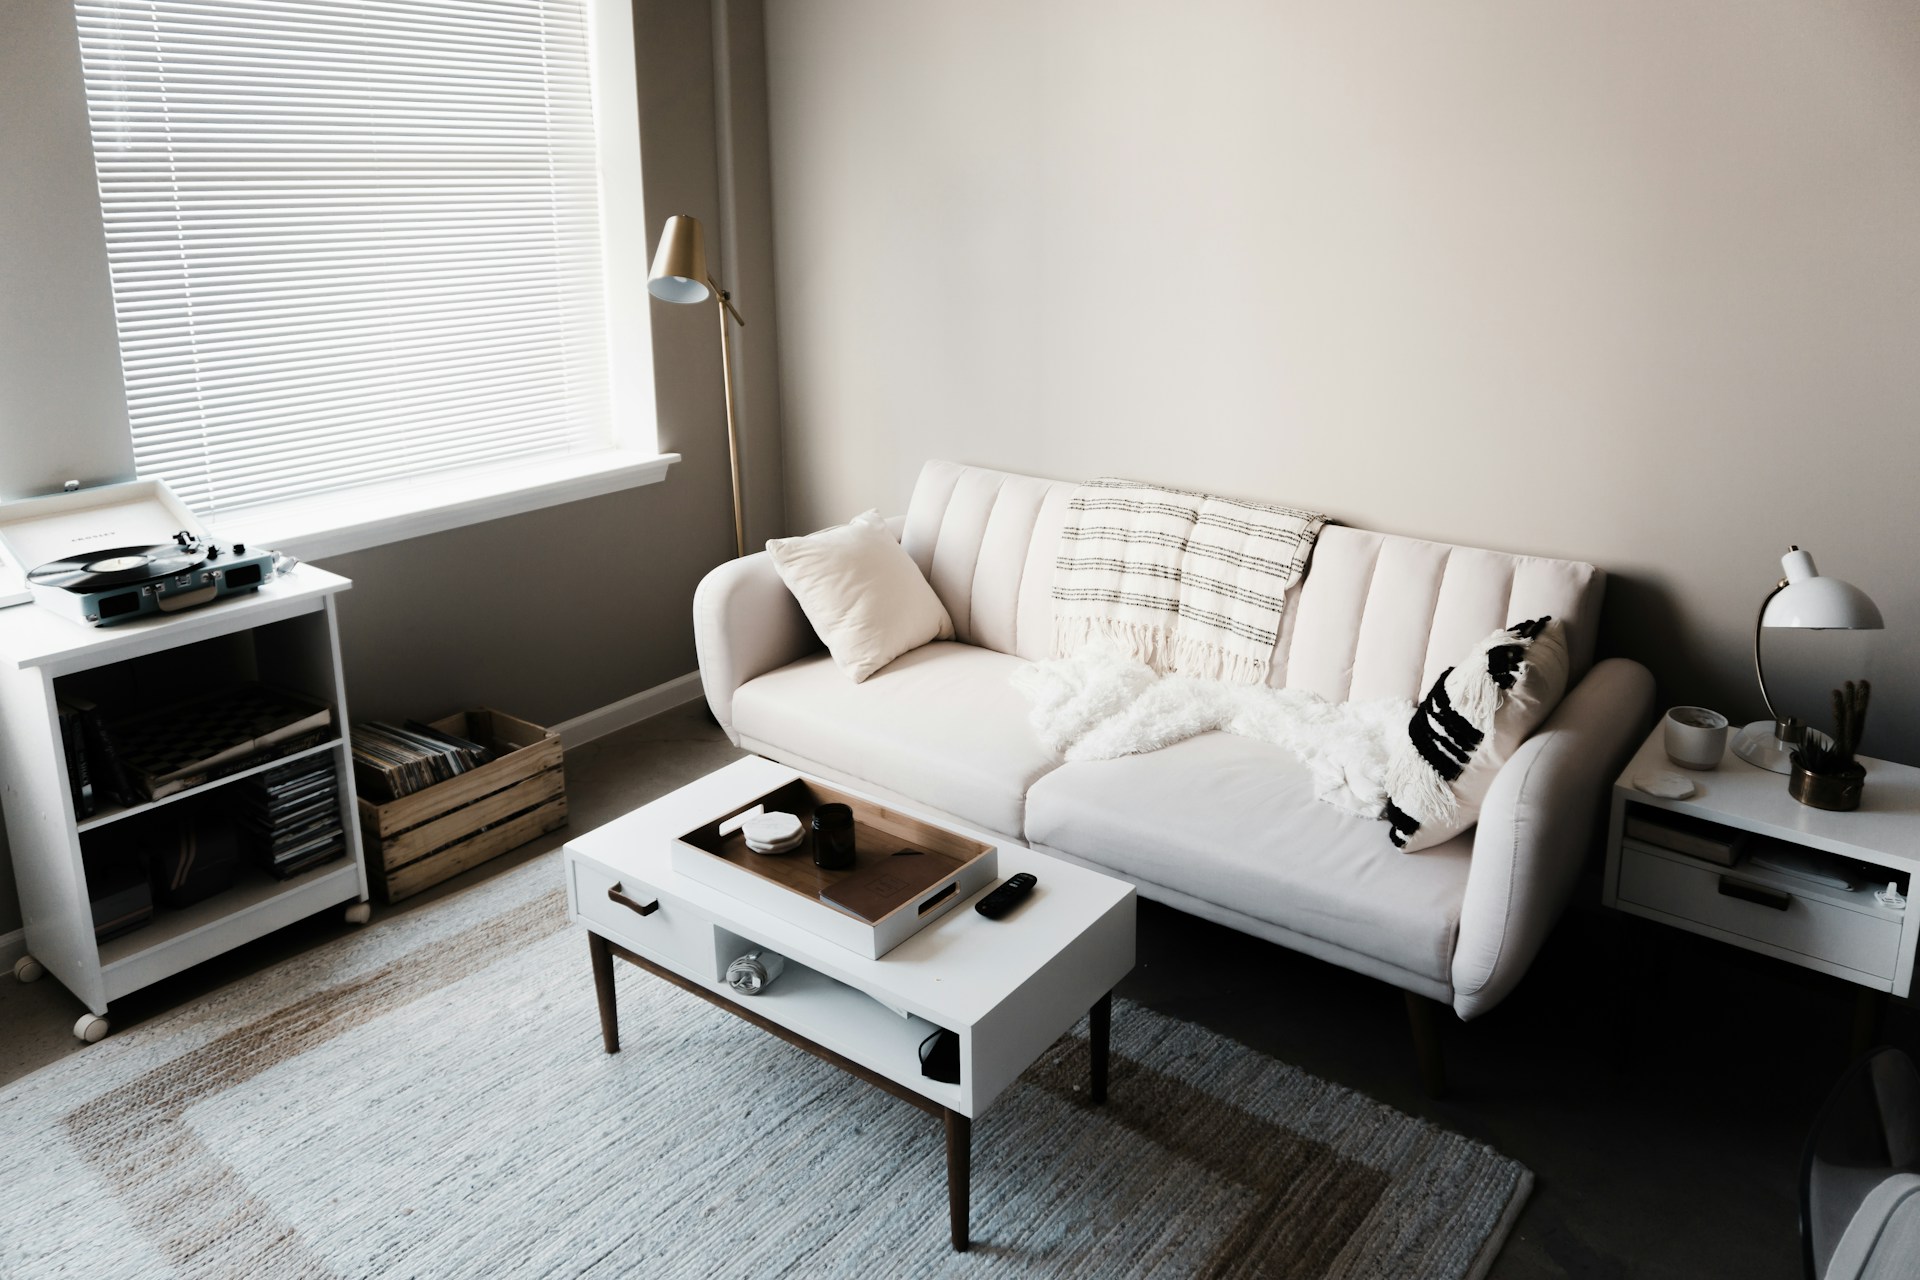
359, 912
91, 1029
27, 969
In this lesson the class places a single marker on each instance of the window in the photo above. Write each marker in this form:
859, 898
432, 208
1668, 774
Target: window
363, 244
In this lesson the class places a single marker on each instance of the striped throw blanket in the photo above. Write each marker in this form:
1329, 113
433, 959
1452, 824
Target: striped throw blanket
1182, 581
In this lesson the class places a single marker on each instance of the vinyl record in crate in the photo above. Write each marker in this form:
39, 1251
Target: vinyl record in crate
116, 566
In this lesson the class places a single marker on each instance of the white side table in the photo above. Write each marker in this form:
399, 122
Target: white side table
1847, 933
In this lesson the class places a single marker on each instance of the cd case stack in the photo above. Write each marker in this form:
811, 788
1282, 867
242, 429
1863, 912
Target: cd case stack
289, 817
391, 761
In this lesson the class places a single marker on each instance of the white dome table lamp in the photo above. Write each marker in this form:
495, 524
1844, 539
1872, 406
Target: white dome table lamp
1802, 599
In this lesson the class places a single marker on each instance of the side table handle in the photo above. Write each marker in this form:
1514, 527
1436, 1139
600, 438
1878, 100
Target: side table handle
1755, 894
643, 908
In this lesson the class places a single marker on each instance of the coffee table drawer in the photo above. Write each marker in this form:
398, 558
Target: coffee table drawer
1766, 913
635, 915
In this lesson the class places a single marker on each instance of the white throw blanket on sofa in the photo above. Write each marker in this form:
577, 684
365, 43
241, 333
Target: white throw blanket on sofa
1100, 704
1183, 581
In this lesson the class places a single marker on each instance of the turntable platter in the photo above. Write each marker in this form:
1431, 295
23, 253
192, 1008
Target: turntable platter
116, 566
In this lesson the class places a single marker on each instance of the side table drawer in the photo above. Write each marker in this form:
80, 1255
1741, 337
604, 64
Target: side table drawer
1765, 913
616, 908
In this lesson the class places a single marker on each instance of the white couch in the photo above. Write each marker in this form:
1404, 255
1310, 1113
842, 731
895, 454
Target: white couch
1220, 826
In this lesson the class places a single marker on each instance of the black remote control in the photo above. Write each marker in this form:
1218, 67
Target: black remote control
1008, 896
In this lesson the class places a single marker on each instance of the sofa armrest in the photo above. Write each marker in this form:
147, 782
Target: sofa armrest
1537, 826
745, 624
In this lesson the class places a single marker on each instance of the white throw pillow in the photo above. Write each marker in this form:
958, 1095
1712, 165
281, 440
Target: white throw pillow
1470, 723
862, 592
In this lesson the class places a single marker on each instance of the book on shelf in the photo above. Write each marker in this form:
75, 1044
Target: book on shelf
1685, 834
73, 744
110, 782
173, 748
194, 848
119, 883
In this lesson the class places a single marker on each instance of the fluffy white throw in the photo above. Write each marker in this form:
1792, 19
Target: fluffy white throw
1182, 581
1101, 703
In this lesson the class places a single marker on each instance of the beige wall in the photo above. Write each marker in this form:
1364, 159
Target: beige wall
1637, 283
547, 615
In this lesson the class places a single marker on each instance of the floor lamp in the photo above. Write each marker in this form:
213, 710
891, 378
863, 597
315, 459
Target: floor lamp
680, 274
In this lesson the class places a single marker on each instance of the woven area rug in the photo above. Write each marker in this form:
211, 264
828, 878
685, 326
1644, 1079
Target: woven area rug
429, 1098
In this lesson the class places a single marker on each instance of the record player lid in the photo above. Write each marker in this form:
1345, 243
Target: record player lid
35, 531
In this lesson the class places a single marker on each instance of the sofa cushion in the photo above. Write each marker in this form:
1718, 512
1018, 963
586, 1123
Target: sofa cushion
863, 594
942, 724
1233, 821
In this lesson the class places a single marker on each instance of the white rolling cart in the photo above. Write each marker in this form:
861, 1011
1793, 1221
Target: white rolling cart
285, 634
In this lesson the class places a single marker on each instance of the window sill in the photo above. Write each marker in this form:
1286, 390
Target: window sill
337, 524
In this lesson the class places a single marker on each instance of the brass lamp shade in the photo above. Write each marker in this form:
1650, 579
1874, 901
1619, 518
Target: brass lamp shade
680, 262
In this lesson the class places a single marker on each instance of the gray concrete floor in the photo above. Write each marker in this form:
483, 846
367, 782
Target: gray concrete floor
1658, 1085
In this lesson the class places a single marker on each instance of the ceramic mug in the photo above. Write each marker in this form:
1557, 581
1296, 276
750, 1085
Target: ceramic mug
1696, 737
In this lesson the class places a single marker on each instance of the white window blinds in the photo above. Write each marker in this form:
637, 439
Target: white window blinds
349, 242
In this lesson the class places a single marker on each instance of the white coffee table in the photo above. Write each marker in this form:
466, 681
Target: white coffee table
1007, 988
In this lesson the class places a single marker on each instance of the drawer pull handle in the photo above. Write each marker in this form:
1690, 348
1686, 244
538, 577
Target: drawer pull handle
643, 908
1755, 894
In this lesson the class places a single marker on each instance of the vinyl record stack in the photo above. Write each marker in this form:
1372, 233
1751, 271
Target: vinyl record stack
289, 817
391, 761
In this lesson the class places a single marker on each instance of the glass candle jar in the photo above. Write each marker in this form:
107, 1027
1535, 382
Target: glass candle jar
833, 837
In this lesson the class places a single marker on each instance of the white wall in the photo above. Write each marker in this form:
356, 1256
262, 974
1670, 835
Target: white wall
1635, 282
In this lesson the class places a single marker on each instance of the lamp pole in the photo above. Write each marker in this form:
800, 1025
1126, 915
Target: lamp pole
733, 430
680, 275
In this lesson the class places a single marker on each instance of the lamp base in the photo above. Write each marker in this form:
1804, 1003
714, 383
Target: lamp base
1761, 746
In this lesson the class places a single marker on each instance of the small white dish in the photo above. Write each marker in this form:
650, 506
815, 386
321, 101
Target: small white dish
1664, 783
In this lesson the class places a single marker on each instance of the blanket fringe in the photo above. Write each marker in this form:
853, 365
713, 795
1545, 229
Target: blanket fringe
1196, 657
1159, 648
1142, 643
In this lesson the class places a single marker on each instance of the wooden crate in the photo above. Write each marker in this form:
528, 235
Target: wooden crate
417, 841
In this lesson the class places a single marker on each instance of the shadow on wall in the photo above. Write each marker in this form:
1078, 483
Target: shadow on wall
1641, 619
1645, 619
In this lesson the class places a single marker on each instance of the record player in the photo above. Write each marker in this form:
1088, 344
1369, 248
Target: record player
118, 552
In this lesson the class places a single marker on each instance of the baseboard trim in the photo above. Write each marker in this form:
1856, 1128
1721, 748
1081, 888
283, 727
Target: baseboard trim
602, 721
12, 947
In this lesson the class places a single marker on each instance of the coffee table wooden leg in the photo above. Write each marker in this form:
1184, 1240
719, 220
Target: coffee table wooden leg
959, 1173
603, 987
1099, 1032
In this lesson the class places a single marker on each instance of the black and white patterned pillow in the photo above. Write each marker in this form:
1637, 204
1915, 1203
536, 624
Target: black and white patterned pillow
1470, 723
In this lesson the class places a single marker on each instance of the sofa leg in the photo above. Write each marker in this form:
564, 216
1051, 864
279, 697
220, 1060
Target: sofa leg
1424, 1016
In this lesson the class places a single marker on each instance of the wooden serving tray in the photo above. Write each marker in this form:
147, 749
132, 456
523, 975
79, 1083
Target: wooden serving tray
790, 885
